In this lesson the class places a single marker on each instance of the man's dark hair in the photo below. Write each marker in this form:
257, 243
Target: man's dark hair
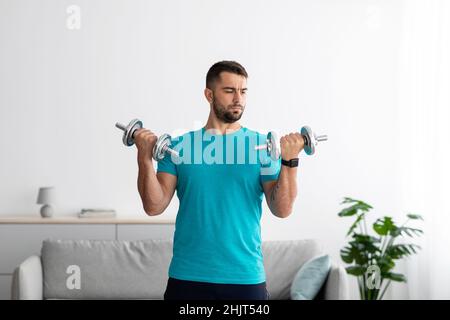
223, 66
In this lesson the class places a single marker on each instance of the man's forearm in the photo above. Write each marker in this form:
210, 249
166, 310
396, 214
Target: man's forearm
148, 185
284, 192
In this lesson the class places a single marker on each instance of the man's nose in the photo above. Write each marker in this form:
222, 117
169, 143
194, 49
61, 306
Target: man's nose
238, 98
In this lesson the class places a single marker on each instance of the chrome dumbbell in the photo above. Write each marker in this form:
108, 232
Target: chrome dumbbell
272, 144
161, 145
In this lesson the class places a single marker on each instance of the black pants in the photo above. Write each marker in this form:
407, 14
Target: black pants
195, 290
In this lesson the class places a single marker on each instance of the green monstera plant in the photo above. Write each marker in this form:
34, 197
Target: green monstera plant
372, 258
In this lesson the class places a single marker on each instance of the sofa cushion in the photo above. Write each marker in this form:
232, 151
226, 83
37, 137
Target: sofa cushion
105, 269
310, 278
282, 260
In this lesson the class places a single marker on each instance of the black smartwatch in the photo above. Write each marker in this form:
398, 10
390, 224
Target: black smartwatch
291, 163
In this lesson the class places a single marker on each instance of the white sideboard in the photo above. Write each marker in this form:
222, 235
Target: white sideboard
21, 237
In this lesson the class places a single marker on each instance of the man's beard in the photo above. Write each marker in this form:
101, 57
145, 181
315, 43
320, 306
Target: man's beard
226, 114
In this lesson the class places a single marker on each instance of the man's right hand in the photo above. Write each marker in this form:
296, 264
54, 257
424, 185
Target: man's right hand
145, 140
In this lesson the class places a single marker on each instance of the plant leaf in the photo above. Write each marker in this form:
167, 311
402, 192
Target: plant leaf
353, 209
361, 249
347, 212
398, 251
346, 255
356, 270
414, 216
384, 225
395, 277
348, 200
355, 224
385, 264
409, 231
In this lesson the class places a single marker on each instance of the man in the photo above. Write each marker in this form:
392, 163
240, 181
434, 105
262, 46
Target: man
217, 243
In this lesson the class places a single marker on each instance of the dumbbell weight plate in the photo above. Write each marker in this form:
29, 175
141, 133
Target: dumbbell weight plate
134, 125
273, 146
309, 138
159, 150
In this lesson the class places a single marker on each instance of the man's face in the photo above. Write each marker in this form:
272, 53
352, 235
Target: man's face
229, 97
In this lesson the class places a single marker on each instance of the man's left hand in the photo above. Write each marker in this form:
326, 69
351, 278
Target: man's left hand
291, 145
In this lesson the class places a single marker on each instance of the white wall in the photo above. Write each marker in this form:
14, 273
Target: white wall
330, 64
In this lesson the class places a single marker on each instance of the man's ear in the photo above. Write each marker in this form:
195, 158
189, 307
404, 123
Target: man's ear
209, 94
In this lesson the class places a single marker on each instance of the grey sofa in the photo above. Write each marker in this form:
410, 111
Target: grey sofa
111, 269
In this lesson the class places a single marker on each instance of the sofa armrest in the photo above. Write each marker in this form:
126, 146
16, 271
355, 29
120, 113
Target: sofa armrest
27, 283
336, 286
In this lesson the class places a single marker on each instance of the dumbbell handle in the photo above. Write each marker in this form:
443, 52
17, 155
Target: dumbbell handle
261, 146
171, 151
318, 138
123, 128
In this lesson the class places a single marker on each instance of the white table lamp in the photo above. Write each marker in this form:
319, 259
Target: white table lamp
46, 197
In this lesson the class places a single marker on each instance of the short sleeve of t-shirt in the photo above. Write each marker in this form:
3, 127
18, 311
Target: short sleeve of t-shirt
167, 165
270, 171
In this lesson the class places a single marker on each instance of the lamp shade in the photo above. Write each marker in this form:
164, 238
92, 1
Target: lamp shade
46, 195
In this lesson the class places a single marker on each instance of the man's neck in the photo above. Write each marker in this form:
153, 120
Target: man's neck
222, 127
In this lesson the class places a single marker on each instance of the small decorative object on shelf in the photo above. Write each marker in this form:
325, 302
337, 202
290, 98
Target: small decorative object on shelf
97, 213
46, 197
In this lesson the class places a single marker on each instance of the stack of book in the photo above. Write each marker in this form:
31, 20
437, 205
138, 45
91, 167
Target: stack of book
97, 213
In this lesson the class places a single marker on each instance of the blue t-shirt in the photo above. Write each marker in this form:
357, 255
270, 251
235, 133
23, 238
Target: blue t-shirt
219, 184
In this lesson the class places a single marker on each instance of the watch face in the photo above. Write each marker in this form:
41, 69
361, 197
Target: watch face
291, 163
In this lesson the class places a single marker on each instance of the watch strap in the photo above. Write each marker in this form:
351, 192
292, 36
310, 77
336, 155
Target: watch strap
290, 163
